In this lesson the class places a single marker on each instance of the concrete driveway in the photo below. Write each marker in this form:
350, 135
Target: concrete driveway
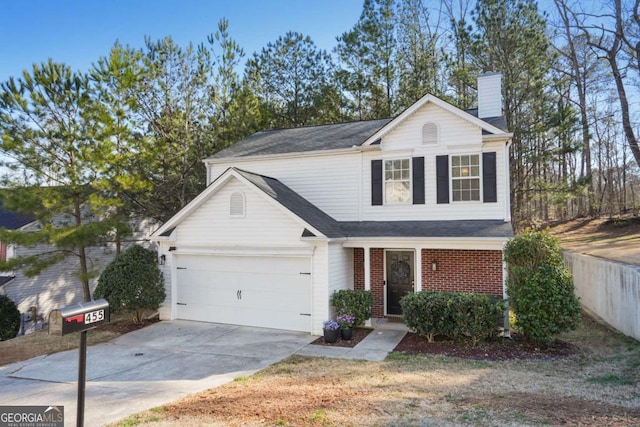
146, 368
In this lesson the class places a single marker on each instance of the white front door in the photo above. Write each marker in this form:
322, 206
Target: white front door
270, 292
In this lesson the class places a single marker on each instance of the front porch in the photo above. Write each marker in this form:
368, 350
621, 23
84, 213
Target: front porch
391, 273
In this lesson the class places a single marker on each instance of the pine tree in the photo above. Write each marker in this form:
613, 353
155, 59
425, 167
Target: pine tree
48, 123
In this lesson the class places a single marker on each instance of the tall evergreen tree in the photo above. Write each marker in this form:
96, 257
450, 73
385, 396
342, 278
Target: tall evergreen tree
511, 38
48, 119
368, 61
116, 78
234, 107
419, 59
172, 100
292, 75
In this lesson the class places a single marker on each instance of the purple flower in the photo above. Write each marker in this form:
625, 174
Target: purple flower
346, 321
331, 325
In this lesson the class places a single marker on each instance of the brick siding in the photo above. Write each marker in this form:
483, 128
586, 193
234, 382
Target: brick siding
463, 271
477, 271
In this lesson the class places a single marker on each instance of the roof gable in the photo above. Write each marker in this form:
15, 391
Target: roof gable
485, 125
310, 217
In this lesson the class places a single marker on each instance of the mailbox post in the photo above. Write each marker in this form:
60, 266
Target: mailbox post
80, 318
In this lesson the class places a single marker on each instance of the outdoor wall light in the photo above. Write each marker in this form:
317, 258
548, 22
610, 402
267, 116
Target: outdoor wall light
434, 265
161, 259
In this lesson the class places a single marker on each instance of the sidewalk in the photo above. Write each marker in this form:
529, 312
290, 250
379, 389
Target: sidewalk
375, 347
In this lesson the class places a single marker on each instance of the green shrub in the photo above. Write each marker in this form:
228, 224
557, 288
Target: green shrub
456, 315
545, 303
474, 316
9, 318
356, 302
427, 313
132, 283
540, 288
525, 253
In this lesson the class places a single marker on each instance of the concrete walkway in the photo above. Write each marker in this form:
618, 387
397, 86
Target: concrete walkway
374, 347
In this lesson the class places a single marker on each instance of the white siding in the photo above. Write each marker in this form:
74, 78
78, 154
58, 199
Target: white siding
263, 223
340, 184
453, 131
331, 182
490, 95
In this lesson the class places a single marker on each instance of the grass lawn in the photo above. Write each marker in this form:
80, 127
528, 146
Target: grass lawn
597, 386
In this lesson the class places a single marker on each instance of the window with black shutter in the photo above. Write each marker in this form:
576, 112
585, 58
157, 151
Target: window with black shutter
376, 182
489, 180
442, 179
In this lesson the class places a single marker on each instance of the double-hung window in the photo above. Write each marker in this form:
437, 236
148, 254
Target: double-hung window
397, 181
465, 178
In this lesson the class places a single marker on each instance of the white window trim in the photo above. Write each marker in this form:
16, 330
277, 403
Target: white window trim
384, 181
451, 178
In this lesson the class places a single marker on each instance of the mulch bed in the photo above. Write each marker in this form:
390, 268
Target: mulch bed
499, 349
358, 335
123, 326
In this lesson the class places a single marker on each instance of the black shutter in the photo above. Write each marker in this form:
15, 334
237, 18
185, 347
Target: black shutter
418, 180
489, 186
442, 179
376, 182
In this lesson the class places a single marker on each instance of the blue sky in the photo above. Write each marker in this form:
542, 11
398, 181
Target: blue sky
79, 32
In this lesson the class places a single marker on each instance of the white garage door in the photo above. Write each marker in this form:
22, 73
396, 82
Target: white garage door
269, 292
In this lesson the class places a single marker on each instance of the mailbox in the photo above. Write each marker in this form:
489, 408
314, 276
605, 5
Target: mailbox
79, 317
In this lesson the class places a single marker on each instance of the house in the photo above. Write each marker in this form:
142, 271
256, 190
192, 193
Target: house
58, 285
417, 202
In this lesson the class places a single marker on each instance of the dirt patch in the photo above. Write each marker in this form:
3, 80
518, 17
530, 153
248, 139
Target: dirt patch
617, 239
497, 349
556, 410
358, 335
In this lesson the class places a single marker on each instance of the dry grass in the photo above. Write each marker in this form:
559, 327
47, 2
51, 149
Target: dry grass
599, 386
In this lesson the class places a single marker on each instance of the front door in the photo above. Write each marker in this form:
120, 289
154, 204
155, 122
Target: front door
400, 277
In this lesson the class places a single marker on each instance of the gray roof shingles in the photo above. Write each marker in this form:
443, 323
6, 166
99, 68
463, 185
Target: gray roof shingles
302, 139
13, 220
316, 138
331, 228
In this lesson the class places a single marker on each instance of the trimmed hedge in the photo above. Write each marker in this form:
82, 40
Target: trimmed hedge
9, 318
355, 302
456, 315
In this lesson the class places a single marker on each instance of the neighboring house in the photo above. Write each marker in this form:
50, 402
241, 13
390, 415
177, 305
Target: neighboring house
418, 202
58, 285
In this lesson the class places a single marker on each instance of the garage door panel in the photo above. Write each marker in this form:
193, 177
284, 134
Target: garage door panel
255, 291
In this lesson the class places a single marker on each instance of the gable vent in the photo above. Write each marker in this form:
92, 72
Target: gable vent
430, 134
237, 204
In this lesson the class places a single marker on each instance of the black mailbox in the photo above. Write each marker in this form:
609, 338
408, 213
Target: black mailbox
79, 317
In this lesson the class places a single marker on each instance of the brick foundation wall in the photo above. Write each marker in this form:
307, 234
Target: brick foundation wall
477, 271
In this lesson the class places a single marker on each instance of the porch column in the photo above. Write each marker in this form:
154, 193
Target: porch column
367, 275
367, 268
417, 286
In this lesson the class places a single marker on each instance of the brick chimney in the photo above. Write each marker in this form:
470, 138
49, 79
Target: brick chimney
489, 95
